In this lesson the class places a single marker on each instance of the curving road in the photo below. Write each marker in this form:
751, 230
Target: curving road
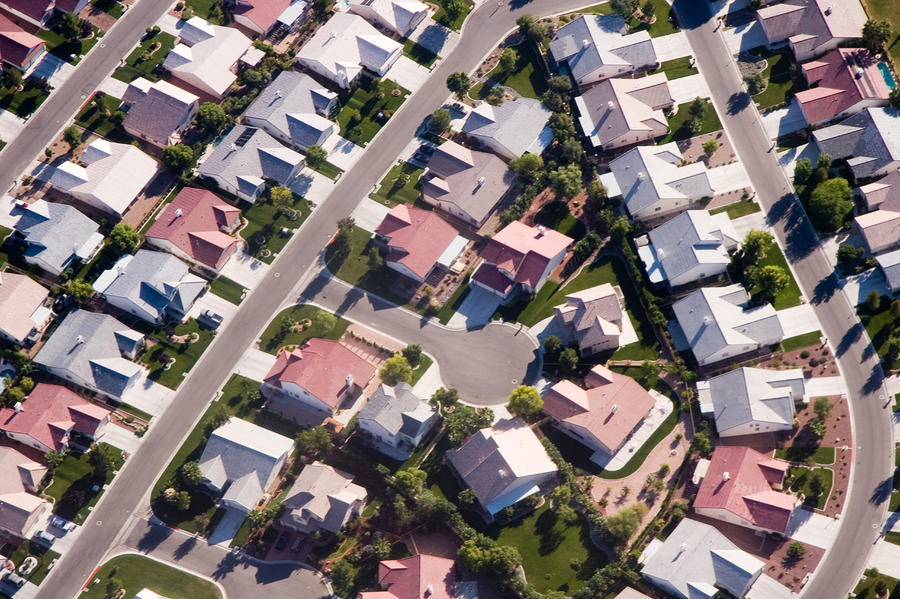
866, 504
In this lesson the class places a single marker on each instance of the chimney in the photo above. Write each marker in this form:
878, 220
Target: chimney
615, 408
79, 340
585, 43
429, 590
682, 547
349, 380
501, 473
827, 11
178, 212
18, 407
611, 105
541, 229
725, 477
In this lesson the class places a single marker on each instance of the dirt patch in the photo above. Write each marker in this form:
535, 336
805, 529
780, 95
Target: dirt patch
692, 149
815, 360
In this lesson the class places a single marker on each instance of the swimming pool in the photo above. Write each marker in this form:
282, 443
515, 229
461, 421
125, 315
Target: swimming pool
888, 76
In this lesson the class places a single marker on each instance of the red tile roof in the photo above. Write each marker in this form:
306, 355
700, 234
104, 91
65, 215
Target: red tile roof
262, 12
321, 367
197, 230
417, 237
50, 412
411, 578
524, 252
36, 9
844, 77
17, 46
747, 491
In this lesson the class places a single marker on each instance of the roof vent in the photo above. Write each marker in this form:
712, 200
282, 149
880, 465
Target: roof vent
541, 229
640, 175
178, 212
660, 253
682, 547
585, 43
79, 340
277, 94
706, 320
18, 407
859, 71
725, 477
615, 408
501, 473
828, 11
480, 181
349, 380
234, 147
611, 105
429, 590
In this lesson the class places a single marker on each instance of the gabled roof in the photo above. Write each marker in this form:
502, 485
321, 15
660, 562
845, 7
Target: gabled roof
20, 473
524, 251
880, 229
55, 232
16, 44
617, 107
207, 53
158, 110
397, 410
740, 480
50, 412
593, 41
324, 495
251, 155
691, 238
515, 124
844, 77
421, 576
417, 238
292, 103
883, 193
20, 298
36, 9
263, 13
397, 15
870, 140
753, 395
597, 309
890, 265
822, 20
321, 367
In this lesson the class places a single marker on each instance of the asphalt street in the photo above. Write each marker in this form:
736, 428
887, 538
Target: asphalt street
866, 505
129, 494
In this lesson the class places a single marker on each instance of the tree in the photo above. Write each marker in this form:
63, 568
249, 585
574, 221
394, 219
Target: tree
847, 257
453, 10
648, 9
697, 109
701, 443
568, 361
829, 203
818, 429
217, 417
177, 157
459, 83
123, 239
314, 442
396, 370
524, 400
211, 117
881, 587
822, 407
893, 96
620, 228
101, 459
190, 473
570, 151
562, 125
343, 578
69, 26
114, 586
508, 59
444, 398
532, 29
823, 161
201, 522
410, 480
873, 301
467, 496
527, 165
596, 194
552, 348
440, 120
796, 550
12, 79
53, 459
413, 354
81, 291
316, 156
895, 313
566, 181
624, 524
72, 136
324, 321
802, 171
755, 83
282, 198
14, 395
875, 34
770, 280
893, 347
709, 147
816, 484
624, 8
256, 519
754, 247
464, 420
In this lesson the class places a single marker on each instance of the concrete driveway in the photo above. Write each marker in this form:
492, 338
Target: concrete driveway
728, 177
685, 89
767, 587
815, 529
798, 320
10, 125
432, 36
227, 527
369, 214
886, 557
342, 152
211, 301
788, 158
245, 269
313, 186
54, 69
669, 47
825, 385
408, 73
121, 437
745, 37
857, 287
255, 364
150, 397
745, 224
783, 120
475, 310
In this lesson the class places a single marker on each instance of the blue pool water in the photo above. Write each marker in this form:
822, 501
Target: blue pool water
888, 76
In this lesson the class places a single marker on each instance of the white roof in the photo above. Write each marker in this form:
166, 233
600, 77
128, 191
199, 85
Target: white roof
206, 54
753, 395
397, 15
516, 124
594, 41
691, 238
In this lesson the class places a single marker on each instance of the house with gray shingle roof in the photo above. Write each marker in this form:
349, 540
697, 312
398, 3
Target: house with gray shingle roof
869, 140
245, 158
747, 401
398, 16
396, 420
158, 112
811, 27
322, 499
889, 264
57, 236
292, 109
511, 129
151, 285
94, 351
595, 47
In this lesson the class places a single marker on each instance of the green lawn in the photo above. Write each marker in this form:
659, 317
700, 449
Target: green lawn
556, 215
819, 455
781, 87
892, 537
597, 9
662, 26
25, 102
677, 68
738, 209
70, 51
790, 295
137, 572
679, 123
896, 407
364, 100
272, 339
894, 503
135, 66
201, 8
865, 588
389, 194
888, 10
110, 7
72, 486
420, 54
441, 16
556, 556
879, 326
798, 479
227, 289
186, 354
801, 341
453, 302
424, 363
265, 224
92, 116
328, 169
526, 78
43, 555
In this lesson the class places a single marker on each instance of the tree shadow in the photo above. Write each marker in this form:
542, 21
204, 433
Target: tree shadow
824, 290
849, 338
691, 14
185, 548
737, 102
549, 529
153, 538
882, 491
876, 379
226, 566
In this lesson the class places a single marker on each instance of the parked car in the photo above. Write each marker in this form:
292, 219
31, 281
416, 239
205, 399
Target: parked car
14, 579
211, 319
44, 537
62, 523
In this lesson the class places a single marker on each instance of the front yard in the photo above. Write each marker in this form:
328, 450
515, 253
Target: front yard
359, 118
227, 289
420, 54
680, 123
865, 588
43, 555
71, 51
443, 18
790, 295
677, 68
799, 478
185, 352
880, 325
144, 59
97, 114
136, 572
526, 78
23, 103
781, 86
390, 193
737, 209
275, 336
268, 230
73, 487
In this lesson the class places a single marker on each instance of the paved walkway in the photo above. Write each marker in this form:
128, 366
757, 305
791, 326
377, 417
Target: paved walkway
886, 557
475, 310
245, 269
687, 88
617, 461
728, 177
825, 385
669, 47
369, 214
255, 364
812, 528
783, 120
150, 397
798, 320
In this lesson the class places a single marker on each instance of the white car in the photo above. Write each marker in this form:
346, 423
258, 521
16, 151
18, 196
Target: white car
62, 523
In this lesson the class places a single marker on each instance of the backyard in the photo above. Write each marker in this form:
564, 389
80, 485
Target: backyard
888, 10
880, 325
227, 289
185, 353
359, 118
144, 59
97, 114
269, 229
781, 85
680, 123
136, 572
43, 555
526, 78
275, 337
75, 489
391, 194
558, 217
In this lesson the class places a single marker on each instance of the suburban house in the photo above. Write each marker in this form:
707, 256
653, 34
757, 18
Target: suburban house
108, 176
623, 112
747, 401
242, 460
512, 128
811, 27
18, 48
321, 499
158, 112
422, 575
20, 507
38, 12
718, 323
630, 593
323, 375
692, 246
418, 242
245, 158
93, 351
396, 420
869, 140
740, 487
397, 16
23, 313
842, 82
603, 415
890, 266
465, 183
595, 318
653, 185
520, 256
48, 416
56, 236
197, 226
696, 560
595, 47
154, 286
206, 56
292, 109
880, 227
344, 46
266, 16
503, 465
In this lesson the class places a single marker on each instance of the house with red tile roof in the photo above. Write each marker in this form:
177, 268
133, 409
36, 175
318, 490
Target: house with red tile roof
322, 375
18, 48
420, 576
20, 508
520, 256
23, 315
594, 318
49, 415
418, 241
842, 82
264, 16
741, 486
197, 226
604, 414
38, 12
